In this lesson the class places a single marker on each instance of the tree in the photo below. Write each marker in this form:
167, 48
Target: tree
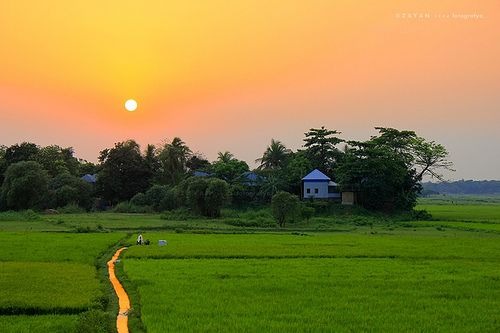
216, 195
229, 168
379, 176
123, 172
275, 156
3, 162
155, 195
57, 160
197, 162
387, 169
285, 207
195, 194
151, 161
67, 189
25, 151
25, 186
173, 158
321, 150
271, 185
206, 196
298, 166
430, 157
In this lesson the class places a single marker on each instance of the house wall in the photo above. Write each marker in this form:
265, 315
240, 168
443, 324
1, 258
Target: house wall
322, 187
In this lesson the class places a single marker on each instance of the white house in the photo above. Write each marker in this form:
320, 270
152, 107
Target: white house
317, 185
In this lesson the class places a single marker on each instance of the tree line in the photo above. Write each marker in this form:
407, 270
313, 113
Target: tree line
385, 172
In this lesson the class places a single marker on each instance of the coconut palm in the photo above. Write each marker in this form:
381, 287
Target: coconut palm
173, 160
274, 157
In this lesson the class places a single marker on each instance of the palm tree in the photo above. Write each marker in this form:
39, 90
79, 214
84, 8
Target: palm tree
274, 157
225, 157
173, 158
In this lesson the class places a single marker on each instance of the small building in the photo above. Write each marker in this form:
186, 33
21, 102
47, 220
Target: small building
251, 178
199, 173
317, 185
348, 198
91, 179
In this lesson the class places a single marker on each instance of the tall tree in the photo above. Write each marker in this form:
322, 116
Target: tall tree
25, 186
173, 158
197, 162
274, 157
123, 172
387, 169
229, 168
321, 150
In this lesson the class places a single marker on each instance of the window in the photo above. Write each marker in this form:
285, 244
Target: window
316, 190
308, 190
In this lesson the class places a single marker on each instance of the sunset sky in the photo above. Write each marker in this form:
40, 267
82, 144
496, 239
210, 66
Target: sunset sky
231, 75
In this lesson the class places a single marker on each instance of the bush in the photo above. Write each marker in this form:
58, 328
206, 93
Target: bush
94, 321
307, 212
169, 201
71, 208
155, 195
259, 222
139, 200
181, 214
25, 215
285, 207
216, 195
127, 207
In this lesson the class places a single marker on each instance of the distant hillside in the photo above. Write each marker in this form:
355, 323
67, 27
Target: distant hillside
479, 187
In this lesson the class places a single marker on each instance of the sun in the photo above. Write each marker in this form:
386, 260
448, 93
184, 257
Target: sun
131, 105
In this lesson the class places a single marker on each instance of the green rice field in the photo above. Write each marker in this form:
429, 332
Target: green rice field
331, 274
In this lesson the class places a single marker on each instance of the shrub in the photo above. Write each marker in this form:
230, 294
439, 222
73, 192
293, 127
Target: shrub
94, 321
216, 195
169, 201
71, 208
285, 207
307, 212
139, 200
155, 195
127, 207
181, 214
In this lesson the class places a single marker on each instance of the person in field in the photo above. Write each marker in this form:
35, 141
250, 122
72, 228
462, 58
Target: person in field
140, 240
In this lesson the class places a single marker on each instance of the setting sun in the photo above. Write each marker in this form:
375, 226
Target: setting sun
131, 105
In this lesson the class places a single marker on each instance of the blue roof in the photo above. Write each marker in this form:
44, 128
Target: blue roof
89, 178
316, 175
197, 173
251, 178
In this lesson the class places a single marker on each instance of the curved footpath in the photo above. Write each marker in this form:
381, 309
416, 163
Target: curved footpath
123, 300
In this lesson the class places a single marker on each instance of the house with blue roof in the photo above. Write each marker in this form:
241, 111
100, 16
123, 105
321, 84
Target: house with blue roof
91, 179
317, 185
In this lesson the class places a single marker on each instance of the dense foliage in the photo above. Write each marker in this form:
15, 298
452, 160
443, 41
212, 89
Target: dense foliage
385, 172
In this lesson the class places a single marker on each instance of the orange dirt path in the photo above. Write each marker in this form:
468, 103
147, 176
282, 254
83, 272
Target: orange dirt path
123, 300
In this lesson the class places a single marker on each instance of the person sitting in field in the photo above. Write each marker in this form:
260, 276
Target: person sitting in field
139, 240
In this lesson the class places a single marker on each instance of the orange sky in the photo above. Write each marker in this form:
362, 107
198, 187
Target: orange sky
231, 75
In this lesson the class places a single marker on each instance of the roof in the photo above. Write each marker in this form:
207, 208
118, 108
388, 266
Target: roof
316, 175
251, 178
89, 178
197, 173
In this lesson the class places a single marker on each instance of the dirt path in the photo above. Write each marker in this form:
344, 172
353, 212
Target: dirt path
123, 300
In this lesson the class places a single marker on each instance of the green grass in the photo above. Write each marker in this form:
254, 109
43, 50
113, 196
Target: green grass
43, 323
55, 247
478, 213
31, 287
297, 295
399, 243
